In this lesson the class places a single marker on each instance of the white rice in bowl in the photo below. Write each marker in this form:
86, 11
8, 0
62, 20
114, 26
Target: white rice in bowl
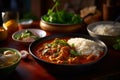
85, 46
106, 29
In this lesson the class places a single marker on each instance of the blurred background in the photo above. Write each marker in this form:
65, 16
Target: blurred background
108, 9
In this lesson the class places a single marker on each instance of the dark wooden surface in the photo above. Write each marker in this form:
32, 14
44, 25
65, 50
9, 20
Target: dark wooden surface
28, 69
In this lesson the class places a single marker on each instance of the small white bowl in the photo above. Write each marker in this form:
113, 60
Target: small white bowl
40, 33
26, 23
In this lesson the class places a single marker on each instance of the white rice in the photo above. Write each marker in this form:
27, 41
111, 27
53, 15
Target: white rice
106, 29
85, 46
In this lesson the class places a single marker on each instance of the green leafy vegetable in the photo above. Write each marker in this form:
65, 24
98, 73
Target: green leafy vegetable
25, 34
117, 45
60, 16
58, 41
74, 52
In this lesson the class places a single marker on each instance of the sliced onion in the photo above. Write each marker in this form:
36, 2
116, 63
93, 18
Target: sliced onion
10, 56
9, 53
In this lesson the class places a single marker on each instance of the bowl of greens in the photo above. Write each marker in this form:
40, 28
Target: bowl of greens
60, 20
26, 36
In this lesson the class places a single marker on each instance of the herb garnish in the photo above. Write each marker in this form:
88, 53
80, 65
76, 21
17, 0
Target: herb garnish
61, 16
116, 46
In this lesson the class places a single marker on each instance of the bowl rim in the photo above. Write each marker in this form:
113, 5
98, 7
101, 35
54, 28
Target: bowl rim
19, 31
66, 35
42, 20
18, 53
98, 23
26, 22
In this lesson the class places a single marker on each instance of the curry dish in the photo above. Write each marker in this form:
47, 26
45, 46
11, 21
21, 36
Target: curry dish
59, 51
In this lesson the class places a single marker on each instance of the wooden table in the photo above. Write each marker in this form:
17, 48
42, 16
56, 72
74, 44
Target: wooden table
28, 69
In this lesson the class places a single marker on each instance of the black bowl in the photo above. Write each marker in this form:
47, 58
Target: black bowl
65, 68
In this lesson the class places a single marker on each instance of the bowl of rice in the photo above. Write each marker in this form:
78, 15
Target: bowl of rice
106, 31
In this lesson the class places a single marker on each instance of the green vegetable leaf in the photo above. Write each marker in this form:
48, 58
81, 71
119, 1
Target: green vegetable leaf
116, 46
17, 36
60, 42
49, 12
74, 52
25, 34
60, 16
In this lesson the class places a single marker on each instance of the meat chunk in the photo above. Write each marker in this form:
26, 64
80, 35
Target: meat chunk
64, 52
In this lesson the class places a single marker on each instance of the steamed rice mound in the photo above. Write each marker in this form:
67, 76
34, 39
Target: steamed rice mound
85, 46
106, 29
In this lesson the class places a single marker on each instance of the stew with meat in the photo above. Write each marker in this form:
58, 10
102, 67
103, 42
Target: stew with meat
59, 51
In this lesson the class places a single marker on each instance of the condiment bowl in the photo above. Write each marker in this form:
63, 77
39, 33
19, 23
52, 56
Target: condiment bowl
9, 60
24, 24
38, 33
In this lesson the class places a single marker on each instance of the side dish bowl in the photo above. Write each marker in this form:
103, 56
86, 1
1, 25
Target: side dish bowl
65, 68
37, 33
108, 35
55, 27
25, 23
9, 60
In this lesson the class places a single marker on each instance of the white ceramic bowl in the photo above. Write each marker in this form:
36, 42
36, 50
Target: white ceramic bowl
40, 33
109, 40
26, 23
